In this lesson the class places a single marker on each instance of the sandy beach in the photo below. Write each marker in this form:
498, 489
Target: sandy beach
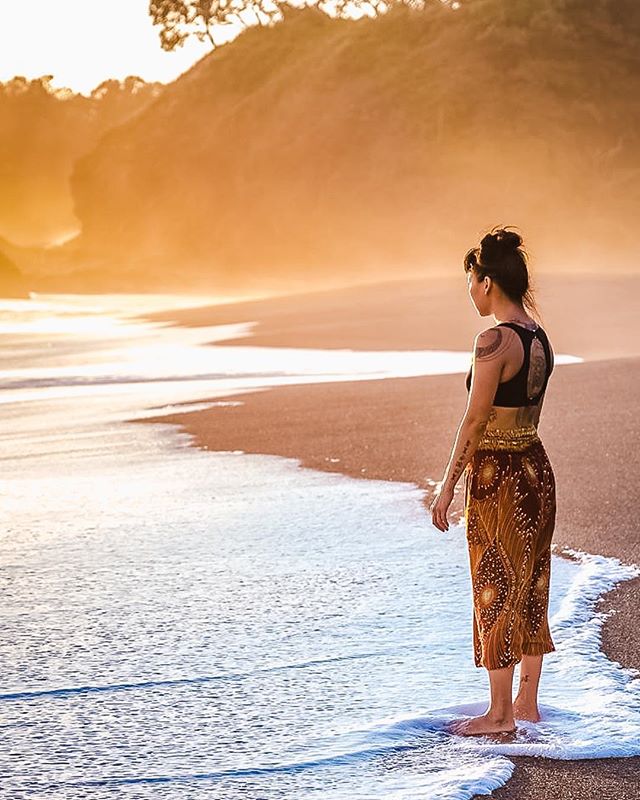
403, 429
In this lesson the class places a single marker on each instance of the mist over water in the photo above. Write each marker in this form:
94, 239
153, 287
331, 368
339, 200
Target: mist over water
230, 625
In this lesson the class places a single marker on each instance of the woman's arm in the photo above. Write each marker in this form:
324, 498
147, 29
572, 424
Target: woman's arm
489, 351
467, 437
489, 348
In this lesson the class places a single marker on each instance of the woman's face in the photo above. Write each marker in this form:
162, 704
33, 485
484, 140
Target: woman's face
477, 292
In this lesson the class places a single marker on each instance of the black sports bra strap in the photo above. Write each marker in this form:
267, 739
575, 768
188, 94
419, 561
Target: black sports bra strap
526, 345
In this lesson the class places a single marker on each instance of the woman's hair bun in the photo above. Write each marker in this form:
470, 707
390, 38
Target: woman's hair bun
497, 242
500, 256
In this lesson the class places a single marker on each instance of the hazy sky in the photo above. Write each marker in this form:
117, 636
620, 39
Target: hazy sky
82, 42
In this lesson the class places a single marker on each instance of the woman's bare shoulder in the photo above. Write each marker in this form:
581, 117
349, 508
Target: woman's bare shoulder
492, 341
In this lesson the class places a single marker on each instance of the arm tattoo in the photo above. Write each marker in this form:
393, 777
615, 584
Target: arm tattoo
494, 347
459, 465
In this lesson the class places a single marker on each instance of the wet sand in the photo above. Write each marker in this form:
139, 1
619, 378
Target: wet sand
403, 429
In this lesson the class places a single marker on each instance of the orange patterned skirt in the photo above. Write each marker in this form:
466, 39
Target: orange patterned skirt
509, 512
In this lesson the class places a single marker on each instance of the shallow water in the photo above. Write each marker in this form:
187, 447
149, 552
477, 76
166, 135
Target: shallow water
181, 623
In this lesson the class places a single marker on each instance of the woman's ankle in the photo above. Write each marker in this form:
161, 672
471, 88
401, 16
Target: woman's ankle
525, 700
500, 715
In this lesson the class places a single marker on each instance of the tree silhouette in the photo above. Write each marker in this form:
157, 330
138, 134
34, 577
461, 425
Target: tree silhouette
180, 19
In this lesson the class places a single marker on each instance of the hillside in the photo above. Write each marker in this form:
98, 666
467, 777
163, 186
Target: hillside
42, 133
318, 150
12, 283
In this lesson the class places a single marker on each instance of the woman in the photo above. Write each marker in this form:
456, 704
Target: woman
509, 485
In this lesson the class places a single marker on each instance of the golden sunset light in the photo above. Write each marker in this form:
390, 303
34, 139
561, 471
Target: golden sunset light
318, 423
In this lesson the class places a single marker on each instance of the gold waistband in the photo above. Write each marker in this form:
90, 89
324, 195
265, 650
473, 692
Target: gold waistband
509, 438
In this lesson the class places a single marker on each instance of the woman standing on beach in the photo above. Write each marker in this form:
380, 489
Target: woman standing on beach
509, 485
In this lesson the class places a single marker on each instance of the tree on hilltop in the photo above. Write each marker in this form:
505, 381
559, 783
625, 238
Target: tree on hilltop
180, 19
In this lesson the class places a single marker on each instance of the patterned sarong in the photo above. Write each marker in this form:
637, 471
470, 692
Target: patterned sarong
510, 510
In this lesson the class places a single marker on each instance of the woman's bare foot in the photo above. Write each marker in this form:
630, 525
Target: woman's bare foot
477, 726
526, 711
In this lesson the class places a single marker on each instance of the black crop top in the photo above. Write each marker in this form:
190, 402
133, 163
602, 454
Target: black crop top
513, 393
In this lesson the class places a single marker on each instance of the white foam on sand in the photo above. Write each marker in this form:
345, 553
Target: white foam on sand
334, 595
591, 705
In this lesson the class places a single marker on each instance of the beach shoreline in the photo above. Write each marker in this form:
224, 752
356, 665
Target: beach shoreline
402, 429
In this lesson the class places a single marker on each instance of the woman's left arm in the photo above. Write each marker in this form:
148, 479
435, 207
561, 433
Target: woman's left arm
488, 358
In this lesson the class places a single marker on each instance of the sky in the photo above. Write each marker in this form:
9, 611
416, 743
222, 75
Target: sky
83, 42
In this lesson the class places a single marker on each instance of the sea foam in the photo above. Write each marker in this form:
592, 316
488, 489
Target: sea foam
234, 626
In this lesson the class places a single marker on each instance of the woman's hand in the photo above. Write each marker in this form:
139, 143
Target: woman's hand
439, 507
